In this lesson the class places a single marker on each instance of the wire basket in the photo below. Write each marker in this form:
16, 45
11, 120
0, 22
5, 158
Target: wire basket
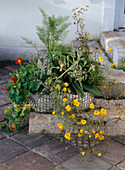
43, 102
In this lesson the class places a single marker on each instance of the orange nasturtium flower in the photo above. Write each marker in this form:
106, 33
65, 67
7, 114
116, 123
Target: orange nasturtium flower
12, 127
19, 60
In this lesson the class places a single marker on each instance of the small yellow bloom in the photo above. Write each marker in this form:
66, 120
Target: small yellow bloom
83, 122
79, 123
90, 136
101, 132
36, 95
91, 51
110, 48
53, 113
68, 108
87, 37
81, 131
84, 146
92, 106
83, 153
100, 51
96, 135
65, 89
60, 126
107, 144
100, 59
62, 113
96, 112
65, 100
85, 132
48, 77
76, 103
67, 136
58, 87
72, 116
79, 135
28, 106
103, 112
66, 84
101, 137
107, 134
113, 64
93, 131
99, 154
69, 91
119, 118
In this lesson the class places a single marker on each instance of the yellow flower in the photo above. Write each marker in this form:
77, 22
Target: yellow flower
87, 37
107, 134
84, 146
28, 106
72, 116
66, 84
96, 112
36, 95
107, 144
100, 51
91, 51
76, 103
65, 100
113, 64
110, 48
62, 113
53, 113
58, 87
79, 135
101, 132
48, 77
103, 112
83, 122
93, 131
119, 118
96, 135
85, 132
69, 91
100, 59
81, 131
83, 153
99, 154
68, 108
101, 137
65, 89
60, 126
92, 106
67, 136
90, 136
79, 123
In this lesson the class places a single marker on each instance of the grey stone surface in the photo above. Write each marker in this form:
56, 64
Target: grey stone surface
114, 168
121, 165
30, 161
10, 149
114, 153
31, 141
120, 139
4, 100
1, 136
85, 163
2, 115
2, 167
57, 151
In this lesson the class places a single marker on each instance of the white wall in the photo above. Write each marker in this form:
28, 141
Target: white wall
20, 18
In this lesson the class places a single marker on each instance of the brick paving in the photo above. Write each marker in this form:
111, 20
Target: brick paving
19, 151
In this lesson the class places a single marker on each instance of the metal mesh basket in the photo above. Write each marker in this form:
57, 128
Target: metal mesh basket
43, 102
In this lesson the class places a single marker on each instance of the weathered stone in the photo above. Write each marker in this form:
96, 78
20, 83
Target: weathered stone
1, 137
114, 153
114, 168
57, 151
10, 149
121, 165
86, 162
2, 115
4, 100
30, 161
43, 122
3, 167
58, 168
31, 141
120, 139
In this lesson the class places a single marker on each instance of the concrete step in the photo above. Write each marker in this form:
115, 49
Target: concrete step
115, 40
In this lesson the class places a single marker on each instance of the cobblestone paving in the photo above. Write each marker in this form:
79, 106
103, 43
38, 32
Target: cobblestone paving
20, 151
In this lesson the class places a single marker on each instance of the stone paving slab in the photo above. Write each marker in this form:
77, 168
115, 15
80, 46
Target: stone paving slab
31, 141
114, 168
80, 162
58, 168
1, 136
121, 165
12, 68
114, 153
30, 161
2, 115
120, 139
4, 100
57, 151
4, 71
10, 149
